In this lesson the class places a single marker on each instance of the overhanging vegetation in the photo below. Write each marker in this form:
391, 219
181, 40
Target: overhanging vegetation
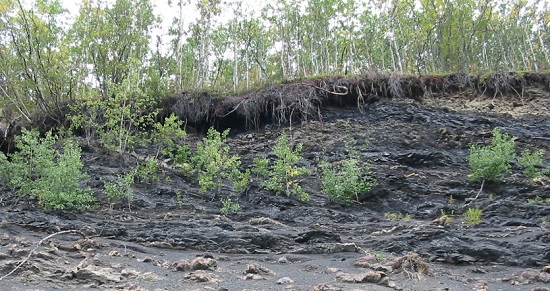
305, 99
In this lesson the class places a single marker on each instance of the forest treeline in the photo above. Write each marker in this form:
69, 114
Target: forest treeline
108, 52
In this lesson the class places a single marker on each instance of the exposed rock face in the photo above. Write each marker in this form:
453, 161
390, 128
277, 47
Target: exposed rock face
417, 152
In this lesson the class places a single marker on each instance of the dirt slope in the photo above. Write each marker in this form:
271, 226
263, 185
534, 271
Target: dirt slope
418, 152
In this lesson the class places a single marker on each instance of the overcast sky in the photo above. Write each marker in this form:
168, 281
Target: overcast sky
167, 13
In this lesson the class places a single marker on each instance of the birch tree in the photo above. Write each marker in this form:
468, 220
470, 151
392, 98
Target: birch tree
113, 40
36, 69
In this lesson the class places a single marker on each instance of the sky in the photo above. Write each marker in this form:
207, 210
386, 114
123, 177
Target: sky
162, 9
167, 13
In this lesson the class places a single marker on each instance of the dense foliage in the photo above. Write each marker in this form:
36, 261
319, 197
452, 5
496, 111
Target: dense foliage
530, 160
105, 74
44, 170
284, 173
489, 162
107, 51
215, 164
344, 181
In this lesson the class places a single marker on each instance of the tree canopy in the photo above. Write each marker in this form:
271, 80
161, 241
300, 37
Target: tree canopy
109, 48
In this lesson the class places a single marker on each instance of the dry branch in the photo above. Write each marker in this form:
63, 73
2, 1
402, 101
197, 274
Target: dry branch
36, 247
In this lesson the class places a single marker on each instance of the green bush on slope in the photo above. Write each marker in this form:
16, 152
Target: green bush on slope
40, 170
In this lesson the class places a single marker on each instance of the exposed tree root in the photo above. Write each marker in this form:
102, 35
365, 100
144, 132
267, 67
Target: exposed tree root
412, 265
304, 99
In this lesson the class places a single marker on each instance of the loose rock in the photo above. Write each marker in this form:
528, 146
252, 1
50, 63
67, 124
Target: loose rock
183, 265
285, 280
365, 262
202, 263
201, 276
258, 269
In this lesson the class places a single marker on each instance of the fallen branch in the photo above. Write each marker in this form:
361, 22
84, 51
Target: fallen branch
475, 198
36, 247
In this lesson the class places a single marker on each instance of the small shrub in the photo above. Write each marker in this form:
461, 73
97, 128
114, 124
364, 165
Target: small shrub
488, 163
282, 176
537, 200
40, 170
148, 172
229, 207
239, 180
118, 121
473, 216
261, 167
393, 216
344, 181
445, 218
451, 200
59, 187
167, 134
530, 161
121, 188
182, 158
179, 198
380, 256
86, 117
215, 164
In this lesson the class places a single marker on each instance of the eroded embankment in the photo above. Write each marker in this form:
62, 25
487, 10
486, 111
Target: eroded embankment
418, 154
304, 100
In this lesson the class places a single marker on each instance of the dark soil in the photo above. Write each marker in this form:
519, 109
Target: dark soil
418, 154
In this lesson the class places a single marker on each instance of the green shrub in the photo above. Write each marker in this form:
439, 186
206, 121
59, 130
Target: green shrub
148, 172
167, 134
182, 159
240, 180
393, 216
119, 121
40, 170
5, 169
538, 199
344, 181
215, 164
229, 207
261, 167
446, 218
121, 188
530, 161
179, 198
283, 175
473, 216
86, 116
488, 163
